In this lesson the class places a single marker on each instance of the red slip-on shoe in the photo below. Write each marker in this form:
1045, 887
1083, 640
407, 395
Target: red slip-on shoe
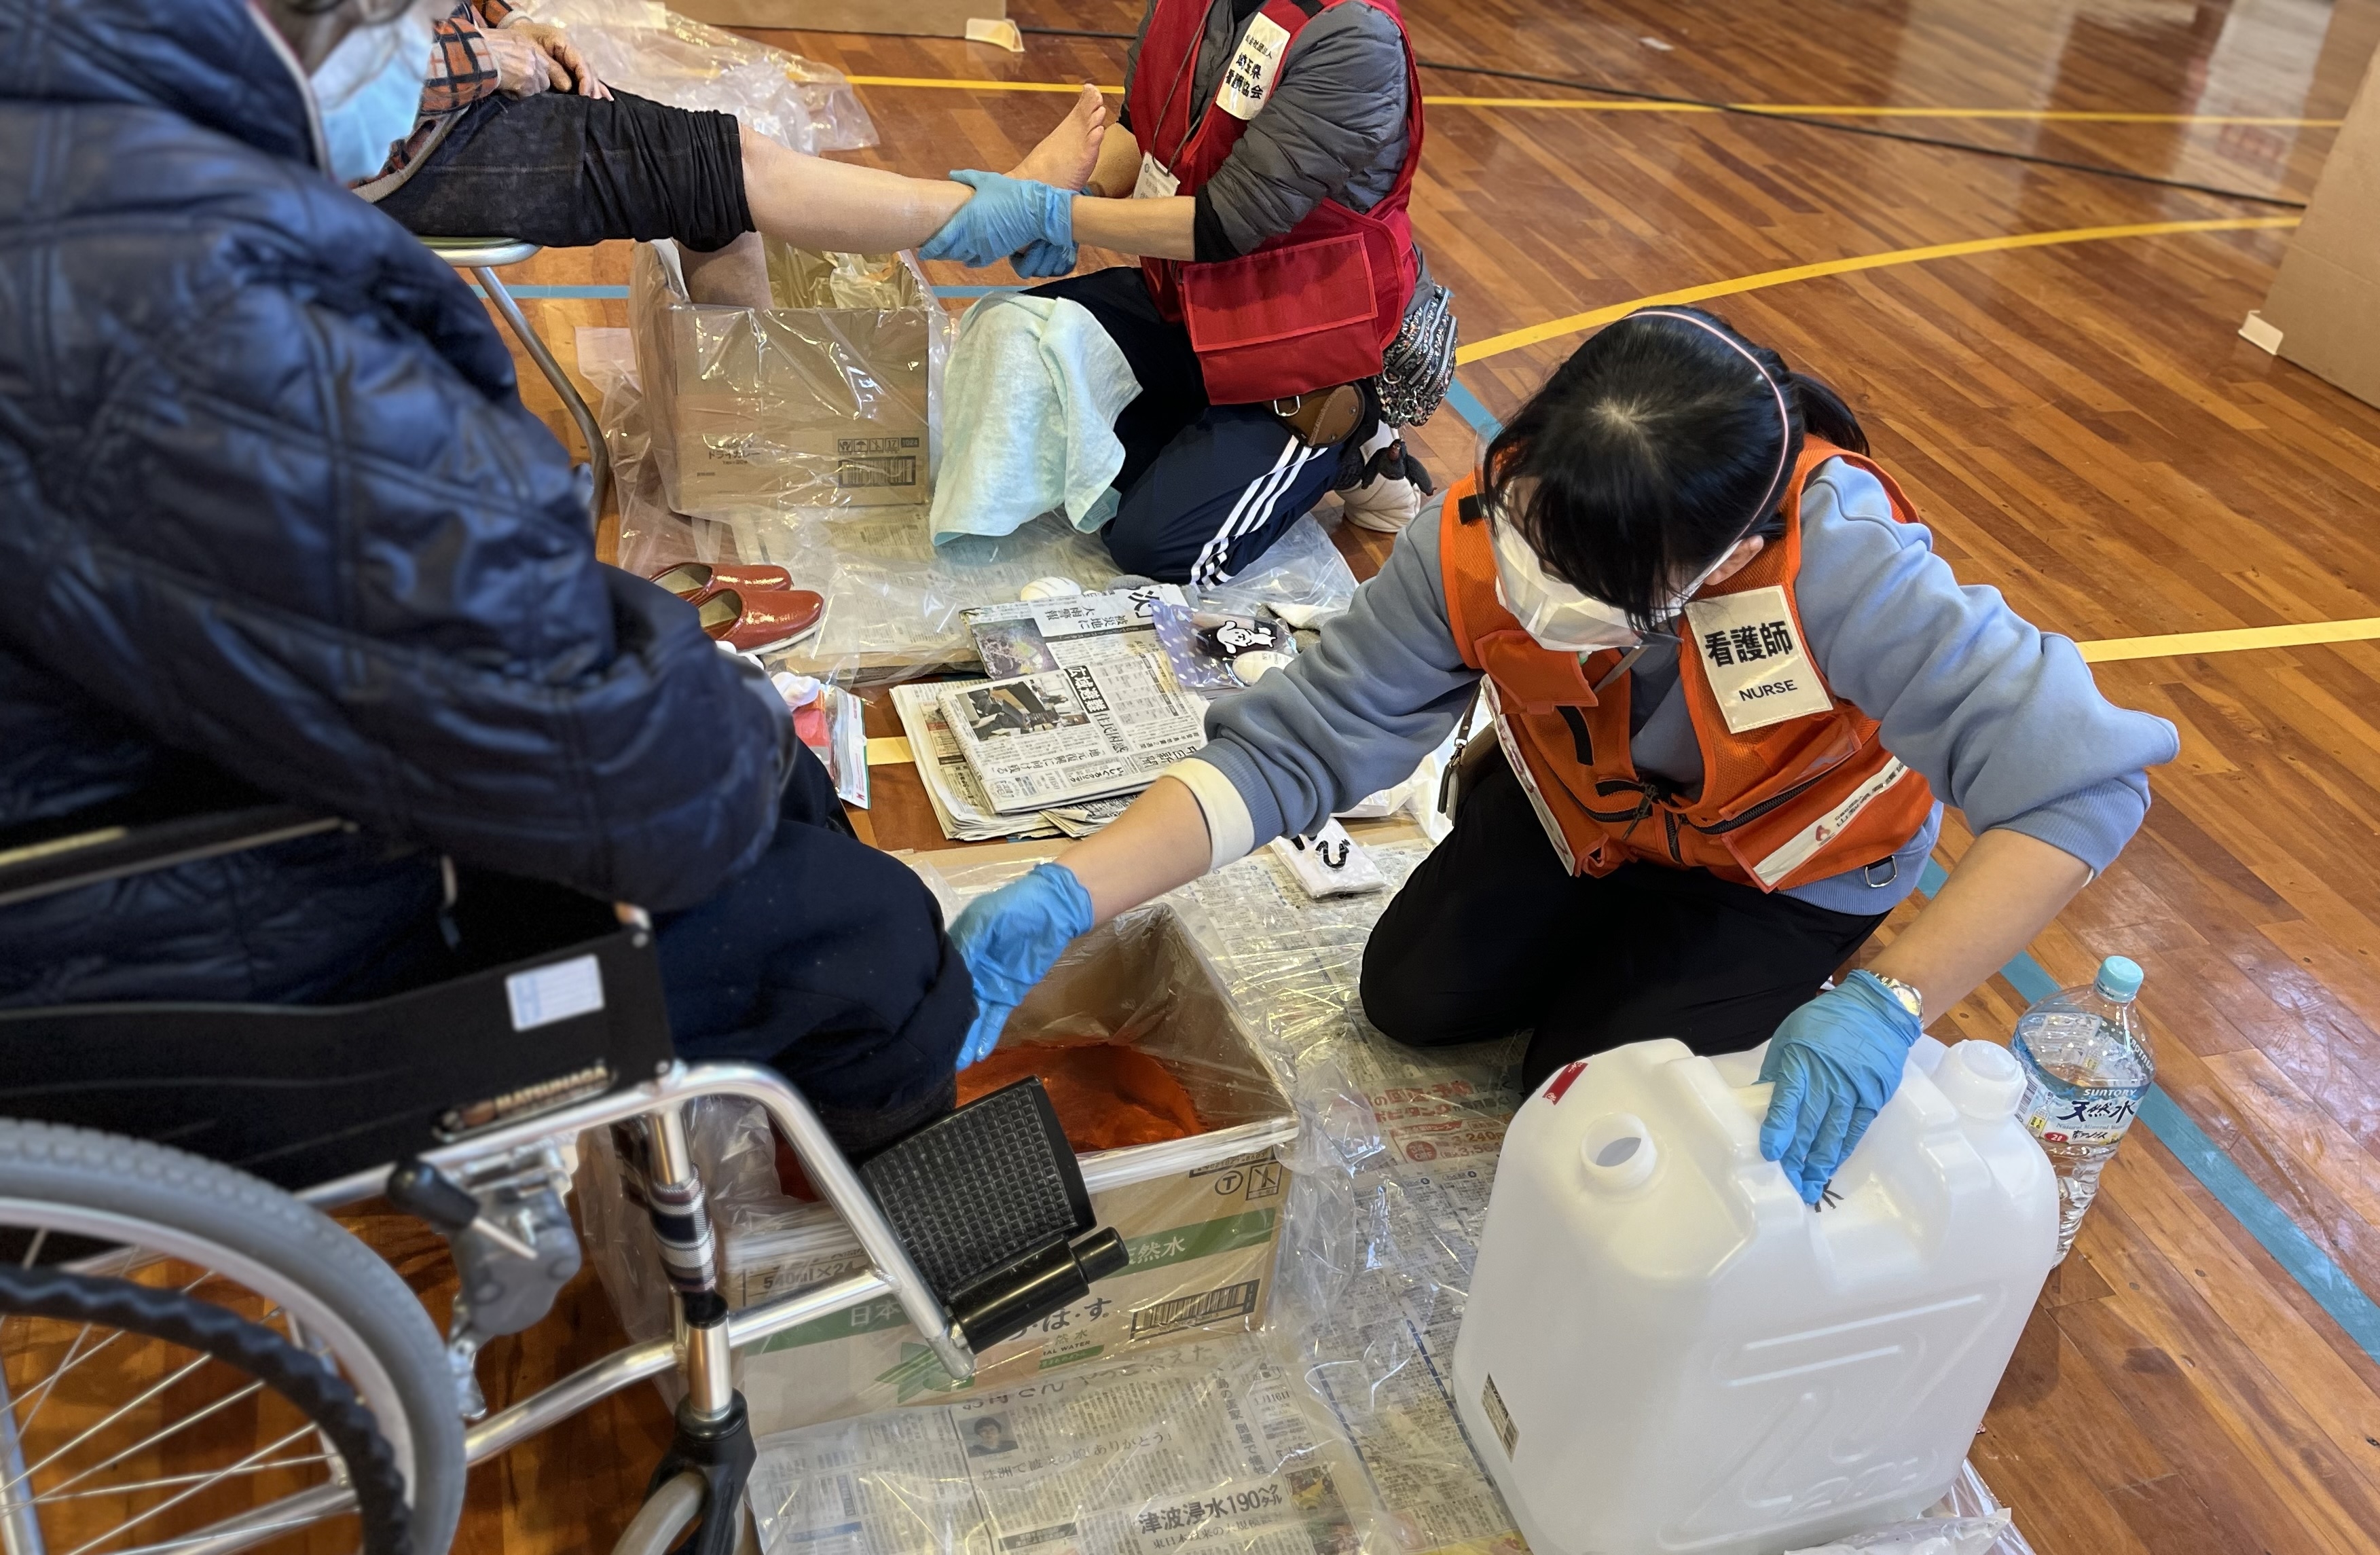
697, 581
756, 620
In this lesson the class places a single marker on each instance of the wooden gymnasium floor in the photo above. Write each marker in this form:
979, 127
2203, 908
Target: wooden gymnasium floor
2048, 361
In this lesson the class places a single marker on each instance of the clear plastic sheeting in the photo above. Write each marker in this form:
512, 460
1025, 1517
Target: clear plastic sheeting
1392, 1171
1303, 572
643, 47
1215, 1444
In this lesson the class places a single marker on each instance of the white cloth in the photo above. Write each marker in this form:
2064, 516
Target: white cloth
1030, 403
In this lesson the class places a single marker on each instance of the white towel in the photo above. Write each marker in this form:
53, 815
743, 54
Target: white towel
1030, 403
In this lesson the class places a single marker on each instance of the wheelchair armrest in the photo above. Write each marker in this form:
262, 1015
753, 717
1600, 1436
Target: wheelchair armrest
106, 853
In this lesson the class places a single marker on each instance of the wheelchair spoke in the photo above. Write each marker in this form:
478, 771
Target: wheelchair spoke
152, 1439
243, 1465
127, 1487
76, 1355
40, 1236
114, 1416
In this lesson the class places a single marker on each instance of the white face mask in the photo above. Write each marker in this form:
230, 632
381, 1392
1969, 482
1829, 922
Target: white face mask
1559, 616
369, 93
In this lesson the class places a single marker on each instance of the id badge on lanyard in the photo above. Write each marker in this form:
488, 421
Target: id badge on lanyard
1155, 182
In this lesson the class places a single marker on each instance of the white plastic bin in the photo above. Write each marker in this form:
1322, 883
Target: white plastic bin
1664, 1349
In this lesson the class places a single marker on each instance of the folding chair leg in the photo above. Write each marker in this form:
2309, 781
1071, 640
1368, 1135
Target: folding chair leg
599, 459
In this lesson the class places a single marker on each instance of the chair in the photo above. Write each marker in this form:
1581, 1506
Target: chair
482, 257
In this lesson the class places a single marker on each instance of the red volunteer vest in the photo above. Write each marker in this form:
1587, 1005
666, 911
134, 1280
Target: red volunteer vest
1796, 786
1313, 308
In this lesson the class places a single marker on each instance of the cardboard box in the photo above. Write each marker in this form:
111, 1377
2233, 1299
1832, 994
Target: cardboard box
821, 402
1201, 1216
2324, 310
937, 19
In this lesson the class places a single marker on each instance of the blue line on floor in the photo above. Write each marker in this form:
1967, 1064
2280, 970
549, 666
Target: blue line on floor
2316, 1272
1466, 404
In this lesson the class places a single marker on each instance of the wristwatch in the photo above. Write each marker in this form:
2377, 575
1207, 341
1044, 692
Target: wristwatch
1910, 999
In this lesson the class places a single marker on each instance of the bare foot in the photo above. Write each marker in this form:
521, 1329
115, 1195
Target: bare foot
1067, 153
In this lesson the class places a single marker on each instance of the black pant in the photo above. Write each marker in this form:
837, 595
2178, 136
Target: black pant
568, 171
827, 960
1206, 489
1491, 935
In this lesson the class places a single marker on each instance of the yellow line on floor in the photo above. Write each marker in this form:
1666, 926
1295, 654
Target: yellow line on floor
2177, 644
1614, 105
1552, 329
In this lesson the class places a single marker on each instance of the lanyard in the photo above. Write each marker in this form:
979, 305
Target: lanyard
1189, 126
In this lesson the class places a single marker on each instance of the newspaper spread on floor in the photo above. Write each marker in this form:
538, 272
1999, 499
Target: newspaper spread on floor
959, 801
1027, 636
1212, 1445
1387, 1195
1083, 732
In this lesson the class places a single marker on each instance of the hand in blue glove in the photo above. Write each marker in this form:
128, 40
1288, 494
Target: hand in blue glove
1010, 939
1004, 216
1836, 1062
1043, 259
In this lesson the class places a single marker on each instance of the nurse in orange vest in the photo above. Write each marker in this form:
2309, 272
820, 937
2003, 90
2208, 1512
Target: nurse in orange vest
1731, 686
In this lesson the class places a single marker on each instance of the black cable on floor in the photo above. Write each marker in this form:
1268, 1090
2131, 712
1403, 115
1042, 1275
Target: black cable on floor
2094, 169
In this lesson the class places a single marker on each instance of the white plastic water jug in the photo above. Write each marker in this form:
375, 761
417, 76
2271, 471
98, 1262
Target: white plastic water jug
1665, 1349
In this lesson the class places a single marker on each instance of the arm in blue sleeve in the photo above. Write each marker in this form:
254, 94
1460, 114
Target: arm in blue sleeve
2002, 719
1352, 716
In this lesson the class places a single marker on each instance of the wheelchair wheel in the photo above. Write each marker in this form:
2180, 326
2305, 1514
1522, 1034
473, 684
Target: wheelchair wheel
195, 1361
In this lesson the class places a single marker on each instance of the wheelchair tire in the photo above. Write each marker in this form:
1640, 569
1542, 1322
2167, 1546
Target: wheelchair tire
105, 1187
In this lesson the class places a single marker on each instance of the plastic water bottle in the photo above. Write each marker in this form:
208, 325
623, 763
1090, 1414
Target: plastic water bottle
2087, 1064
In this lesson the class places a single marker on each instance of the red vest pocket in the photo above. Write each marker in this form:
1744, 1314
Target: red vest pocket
1284, 321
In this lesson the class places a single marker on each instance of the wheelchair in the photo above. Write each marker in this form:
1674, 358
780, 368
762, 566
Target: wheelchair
197, 1359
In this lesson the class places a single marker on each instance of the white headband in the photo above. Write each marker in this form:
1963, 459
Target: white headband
1784, 416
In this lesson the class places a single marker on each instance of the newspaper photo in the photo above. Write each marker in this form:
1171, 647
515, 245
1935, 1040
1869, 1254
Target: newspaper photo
959, 802
1081, 733
1031, 637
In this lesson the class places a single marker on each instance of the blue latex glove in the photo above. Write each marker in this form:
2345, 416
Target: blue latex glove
1836, 1062
1009, 940
1005, 217
1043, 259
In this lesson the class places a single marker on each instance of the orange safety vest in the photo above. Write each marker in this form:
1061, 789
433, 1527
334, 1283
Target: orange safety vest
1314, 308
1796, 786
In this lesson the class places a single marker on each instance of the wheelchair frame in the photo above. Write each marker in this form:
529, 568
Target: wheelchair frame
701, 1347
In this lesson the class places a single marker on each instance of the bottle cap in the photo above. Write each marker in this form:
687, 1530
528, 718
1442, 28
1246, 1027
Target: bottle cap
1981, 1079
2119, 978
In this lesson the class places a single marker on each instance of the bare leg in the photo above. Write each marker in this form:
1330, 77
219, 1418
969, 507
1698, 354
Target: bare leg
816, 203
736, 274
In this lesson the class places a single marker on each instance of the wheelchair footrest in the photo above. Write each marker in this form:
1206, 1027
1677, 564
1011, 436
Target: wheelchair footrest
990, 1204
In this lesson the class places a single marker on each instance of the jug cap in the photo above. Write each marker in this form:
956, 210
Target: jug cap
2119, 978
1981, 1079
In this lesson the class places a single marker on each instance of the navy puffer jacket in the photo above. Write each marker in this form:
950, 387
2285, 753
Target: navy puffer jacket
269, 503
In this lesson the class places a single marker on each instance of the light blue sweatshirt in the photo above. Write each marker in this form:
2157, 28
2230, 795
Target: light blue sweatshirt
2002, 719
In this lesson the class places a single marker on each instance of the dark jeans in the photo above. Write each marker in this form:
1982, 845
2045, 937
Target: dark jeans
1491, 935
1206, 489
569, 172
826, 959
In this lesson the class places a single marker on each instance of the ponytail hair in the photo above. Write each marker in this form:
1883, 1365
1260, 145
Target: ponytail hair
1653, 450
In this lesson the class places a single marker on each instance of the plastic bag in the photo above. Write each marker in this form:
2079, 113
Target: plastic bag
1924, 1536
825, 399
1303, 571
641, 46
